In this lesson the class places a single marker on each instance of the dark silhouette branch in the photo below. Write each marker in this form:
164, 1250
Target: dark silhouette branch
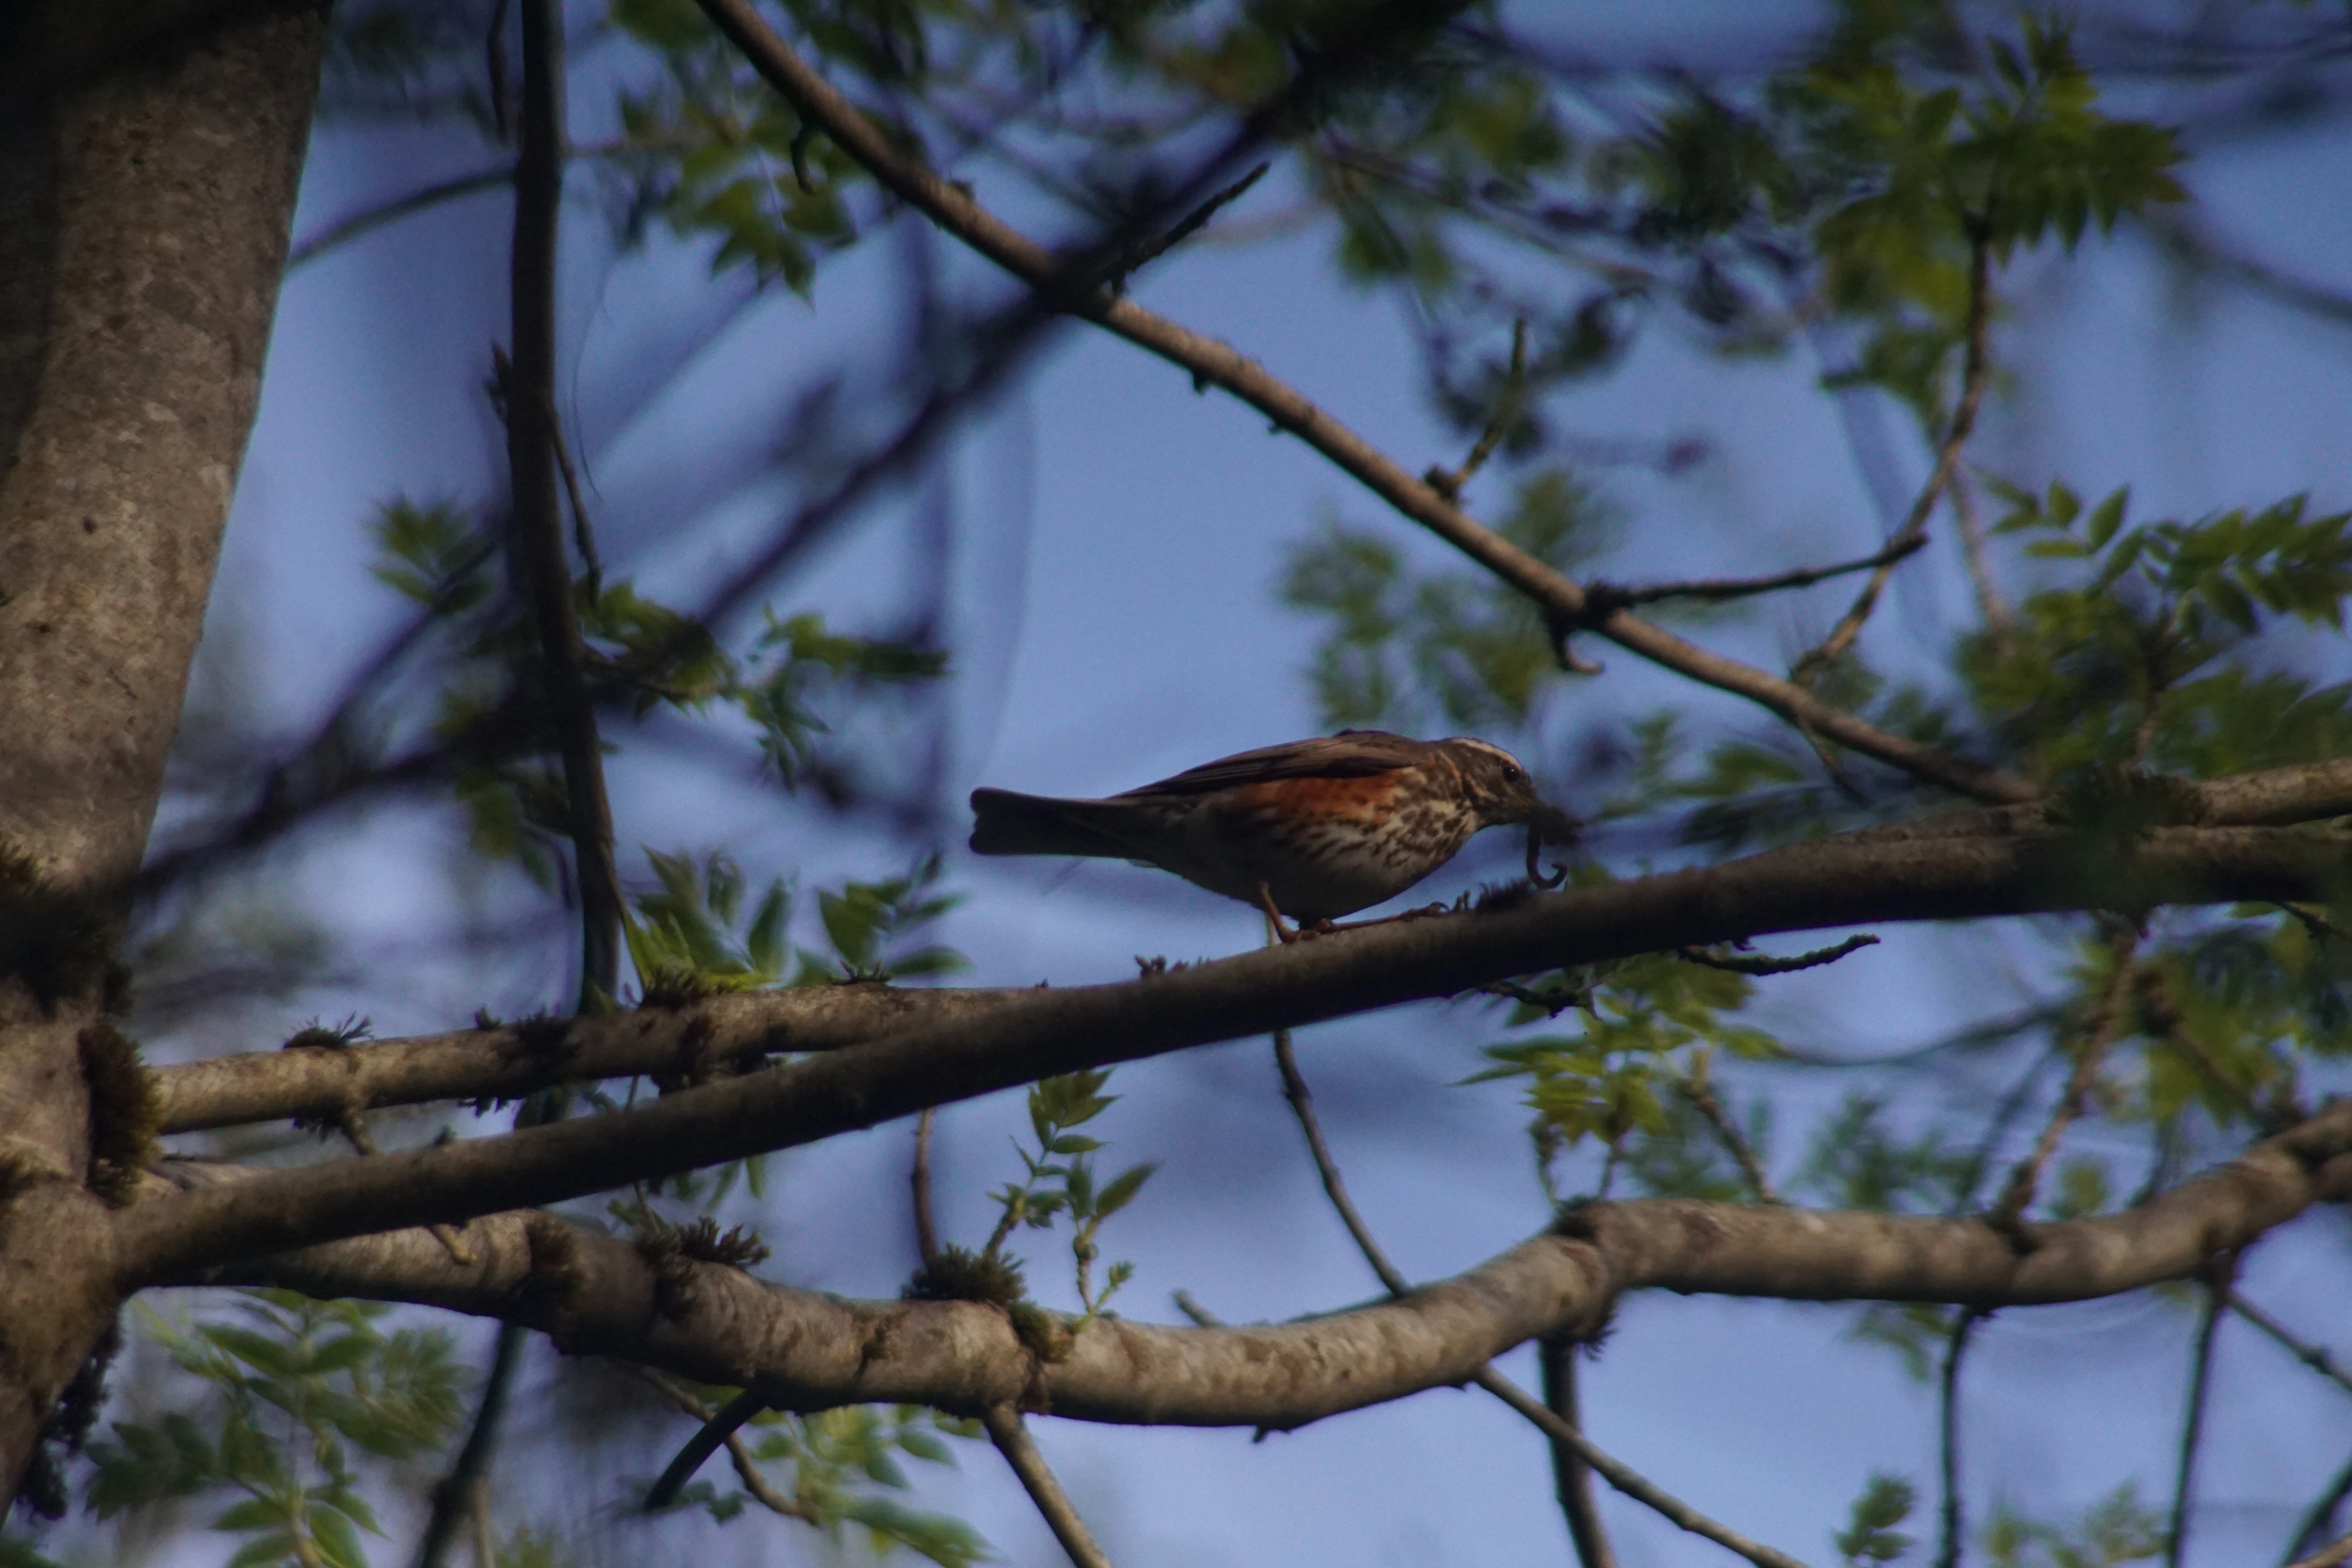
2313, 1357
2192, 1424
1860, 879
1571, 1476
1950, 1534
345, 230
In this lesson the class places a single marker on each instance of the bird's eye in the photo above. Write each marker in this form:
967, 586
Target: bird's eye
1513, 775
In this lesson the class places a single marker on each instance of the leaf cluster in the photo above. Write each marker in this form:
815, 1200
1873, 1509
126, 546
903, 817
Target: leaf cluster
1645, 1023
2145, 659
300, 1394
1058, 1179
2117, 1529
1869, 1535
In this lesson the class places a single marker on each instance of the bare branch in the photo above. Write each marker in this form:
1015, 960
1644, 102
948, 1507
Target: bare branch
2192, 1426
1998, 618
719, 1427
2313, 1357
2321, 1519
1832, 881
532, 446
1213, 363
1947, 1412
1571, 1476
345, 230
1506, 408
1627, 1480
804, 1350
747, 1469
1701, 1094
1010, 1436
1975, 370
1302, 1105
1607, 596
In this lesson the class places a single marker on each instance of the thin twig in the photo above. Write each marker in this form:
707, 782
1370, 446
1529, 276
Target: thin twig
345, 230
1975, 372
1999, 620
1606, 598
2192, 1426
1629, 1481
1302, 1105
927, 1236
1190, 1305
451, 1498
716, 1429
1948, 1536
1571, 1476
747, 1468
1506, 408
1701, 1094
2321, 1519
1740, 963
1010, 1436
583, 534
1617, 1474
2106, 1026
2313, 1357
1184, 227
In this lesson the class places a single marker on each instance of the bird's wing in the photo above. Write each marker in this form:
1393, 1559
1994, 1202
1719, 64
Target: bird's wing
1349, 754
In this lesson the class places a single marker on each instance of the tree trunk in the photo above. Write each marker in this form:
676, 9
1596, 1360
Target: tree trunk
149, 154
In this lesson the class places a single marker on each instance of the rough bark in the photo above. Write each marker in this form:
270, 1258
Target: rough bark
804, 1350
148, 160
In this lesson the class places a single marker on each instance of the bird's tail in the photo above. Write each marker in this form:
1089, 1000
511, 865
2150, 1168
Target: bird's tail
1004, 822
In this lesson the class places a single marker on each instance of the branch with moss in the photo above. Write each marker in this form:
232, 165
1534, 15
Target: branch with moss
803, 1351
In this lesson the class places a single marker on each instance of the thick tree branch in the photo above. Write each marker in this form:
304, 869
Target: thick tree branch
1212, 362
804, 1350
1849, 881
715, 1037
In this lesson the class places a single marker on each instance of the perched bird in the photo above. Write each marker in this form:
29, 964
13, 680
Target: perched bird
1313, 829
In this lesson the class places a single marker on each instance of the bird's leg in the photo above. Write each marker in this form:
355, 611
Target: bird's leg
1282, 933
1422, 913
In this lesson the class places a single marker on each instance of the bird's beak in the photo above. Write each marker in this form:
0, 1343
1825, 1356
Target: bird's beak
1552, 824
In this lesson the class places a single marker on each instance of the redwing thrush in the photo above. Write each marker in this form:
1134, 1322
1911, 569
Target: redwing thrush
1314, 828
